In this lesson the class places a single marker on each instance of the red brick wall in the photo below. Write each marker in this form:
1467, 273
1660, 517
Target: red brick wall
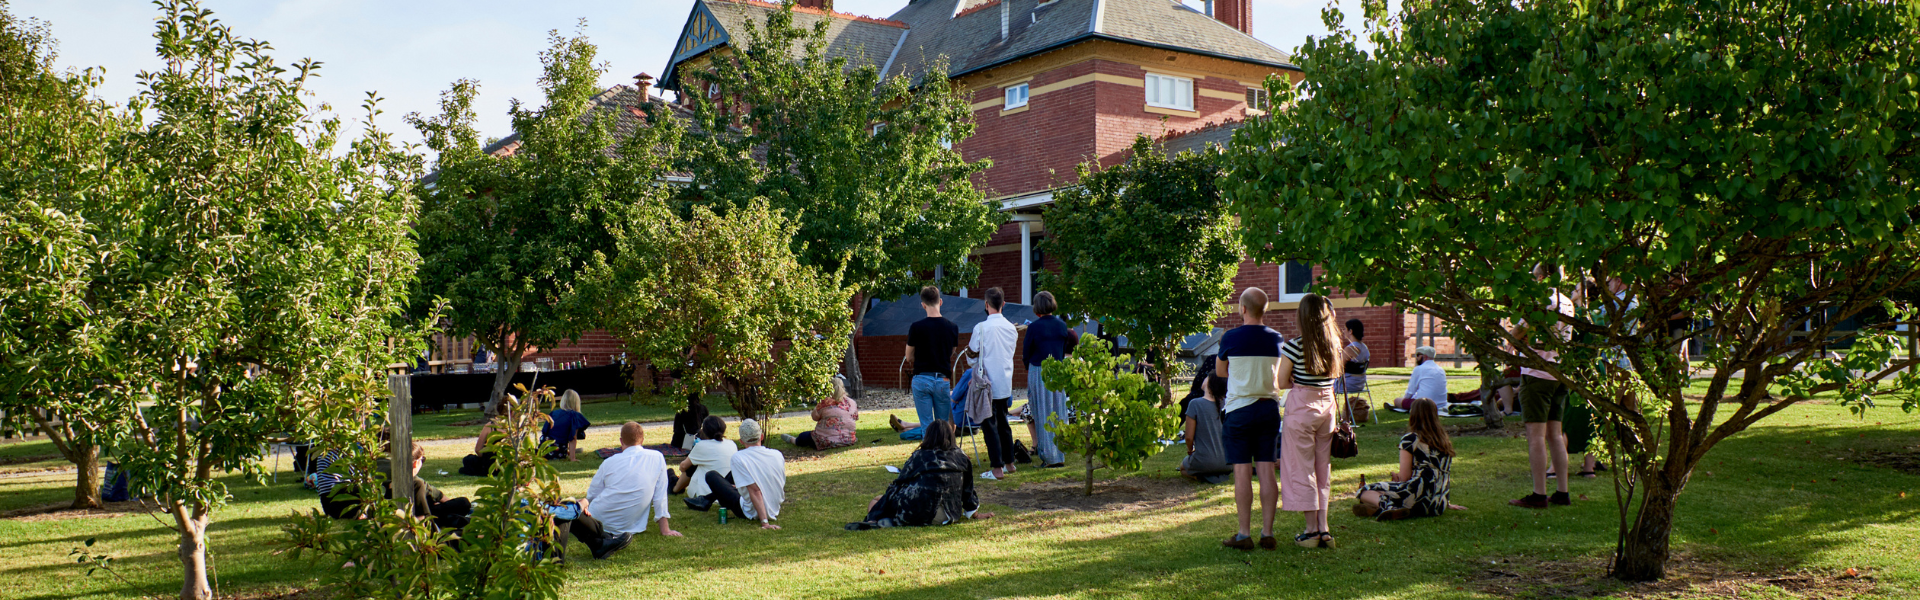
1386, 329
1035, 149
597, 345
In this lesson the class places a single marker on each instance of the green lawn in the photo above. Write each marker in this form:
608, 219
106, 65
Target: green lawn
1784, 497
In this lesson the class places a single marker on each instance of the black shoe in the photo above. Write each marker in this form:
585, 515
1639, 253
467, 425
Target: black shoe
699, 504
611, 544
1560, 498
1054, 465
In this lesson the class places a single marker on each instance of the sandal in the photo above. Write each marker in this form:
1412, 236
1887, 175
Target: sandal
1309, 539
1326, 540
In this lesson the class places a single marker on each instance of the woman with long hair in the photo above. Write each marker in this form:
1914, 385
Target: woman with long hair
1426, 471
935, 487
565, 428
834, 418
1309, 364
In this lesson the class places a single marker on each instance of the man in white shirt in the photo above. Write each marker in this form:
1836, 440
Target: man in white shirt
760, 474
631, 487
1428, 381
992, 350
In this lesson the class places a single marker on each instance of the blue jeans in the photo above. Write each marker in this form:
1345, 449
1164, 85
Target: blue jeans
932, 398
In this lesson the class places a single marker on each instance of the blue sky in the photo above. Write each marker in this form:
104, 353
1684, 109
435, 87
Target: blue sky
409, 51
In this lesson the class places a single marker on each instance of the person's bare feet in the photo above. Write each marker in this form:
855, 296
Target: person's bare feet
1451, 506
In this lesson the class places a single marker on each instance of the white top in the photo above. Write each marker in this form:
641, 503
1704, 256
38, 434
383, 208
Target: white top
1429, 381
994, 339
1561, 304
709, 455
764, 468
629, 491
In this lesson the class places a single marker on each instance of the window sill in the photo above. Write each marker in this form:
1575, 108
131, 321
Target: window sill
1173, 111
1017, 109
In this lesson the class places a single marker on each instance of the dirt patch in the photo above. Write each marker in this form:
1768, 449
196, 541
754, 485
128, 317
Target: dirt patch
1905, 461
1511, 430
1688, 578
1135, 493
59, 511
281, 594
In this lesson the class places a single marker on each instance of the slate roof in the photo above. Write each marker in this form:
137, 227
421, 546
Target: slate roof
621, 101
1212, 138
966, 33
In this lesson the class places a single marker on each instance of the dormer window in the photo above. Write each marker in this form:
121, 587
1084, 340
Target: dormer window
1167, 91
1016, 96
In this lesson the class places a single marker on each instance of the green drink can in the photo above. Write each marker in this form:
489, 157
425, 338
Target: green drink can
723, 515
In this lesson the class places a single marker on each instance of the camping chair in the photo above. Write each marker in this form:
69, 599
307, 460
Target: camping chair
1365, 392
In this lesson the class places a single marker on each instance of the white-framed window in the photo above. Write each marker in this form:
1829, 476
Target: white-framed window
1016, 96
1295, 276
1167, 91
1257, 98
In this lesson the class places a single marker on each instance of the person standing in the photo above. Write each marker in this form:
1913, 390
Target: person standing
1047, 337
992, 350
630, 489
761, 473
1249, 359
1309, 364
1543, 405
930, 345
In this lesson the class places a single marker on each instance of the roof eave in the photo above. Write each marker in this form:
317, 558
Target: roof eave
1113, 38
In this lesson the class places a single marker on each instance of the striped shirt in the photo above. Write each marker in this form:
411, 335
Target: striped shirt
1301, 376
322, 480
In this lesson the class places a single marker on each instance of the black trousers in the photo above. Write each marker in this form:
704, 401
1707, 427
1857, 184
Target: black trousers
998, 435
804, 440
586, 529
723, 493
452, 514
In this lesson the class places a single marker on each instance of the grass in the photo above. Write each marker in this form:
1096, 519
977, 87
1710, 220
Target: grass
1785, 496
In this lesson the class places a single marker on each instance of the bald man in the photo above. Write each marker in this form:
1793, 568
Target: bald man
630, 489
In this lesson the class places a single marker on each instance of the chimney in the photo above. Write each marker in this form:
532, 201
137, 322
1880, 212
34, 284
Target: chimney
826, 5
1237, 14
644, 83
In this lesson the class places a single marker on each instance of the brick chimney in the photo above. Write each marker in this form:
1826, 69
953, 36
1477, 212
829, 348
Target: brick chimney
1237, 14
826, 5
644, 83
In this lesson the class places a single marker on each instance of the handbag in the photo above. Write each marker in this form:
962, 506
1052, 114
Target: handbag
1343, 445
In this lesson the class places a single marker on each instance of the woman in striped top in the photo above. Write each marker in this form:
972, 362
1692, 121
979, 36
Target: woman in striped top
1306, 435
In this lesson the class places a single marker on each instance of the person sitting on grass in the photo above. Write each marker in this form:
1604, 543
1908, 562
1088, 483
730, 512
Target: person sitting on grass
1426, 472
429, 501
761, 473
480, 462
1428, 381
1206, 454
566, 429
835, 418
712, 454
630, 489
688, 421
934, 488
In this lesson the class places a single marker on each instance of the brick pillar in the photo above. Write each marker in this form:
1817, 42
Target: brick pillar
1235, 13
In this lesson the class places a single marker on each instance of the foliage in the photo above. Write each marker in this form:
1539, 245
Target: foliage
1748, 166
54, 140
1114, 417
1146, 246
862, 165
725, 300
504, 236
394, 554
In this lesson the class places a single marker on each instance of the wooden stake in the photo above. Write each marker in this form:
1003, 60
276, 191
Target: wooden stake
400, 428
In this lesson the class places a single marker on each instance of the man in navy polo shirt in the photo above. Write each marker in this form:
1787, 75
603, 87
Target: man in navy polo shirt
1250, 360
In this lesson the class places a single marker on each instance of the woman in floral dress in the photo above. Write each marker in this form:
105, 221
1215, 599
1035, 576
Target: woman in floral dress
1426, 467
836, 417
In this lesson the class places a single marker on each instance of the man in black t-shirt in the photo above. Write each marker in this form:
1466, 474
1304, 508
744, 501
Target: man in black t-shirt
930, 345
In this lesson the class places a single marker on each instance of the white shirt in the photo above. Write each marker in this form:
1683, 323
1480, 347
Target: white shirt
994, 339
764, 468
709, 455
629, 491
1561, 304
1429, 381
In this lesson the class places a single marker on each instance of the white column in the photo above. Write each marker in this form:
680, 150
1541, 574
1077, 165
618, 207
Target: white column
1026, 262
963, 291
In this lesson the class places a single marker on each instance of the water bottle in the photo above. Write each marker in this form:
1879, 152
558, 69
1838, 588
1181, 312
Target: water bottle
723, 515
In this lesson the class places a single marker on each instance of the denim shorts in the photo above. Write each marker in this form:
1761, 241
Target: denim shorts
1250, 433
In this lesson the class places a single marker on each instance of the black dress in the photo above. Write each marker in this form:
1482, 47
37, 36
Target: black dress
934, 488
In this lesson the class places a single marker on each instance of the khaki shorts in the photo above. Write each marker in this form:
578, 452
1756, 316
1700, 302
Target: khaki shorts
1542, 400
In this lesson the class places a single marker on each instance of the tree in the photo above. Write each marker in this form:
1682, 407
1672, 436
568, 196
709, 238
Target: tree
53, 139
1749, 167
1115, 419
863, 166
504, 237
247, 280
1148, 247
724, 300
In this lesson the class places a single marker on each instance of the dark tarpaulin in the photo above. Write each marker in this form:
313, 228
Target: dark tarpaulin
438, 391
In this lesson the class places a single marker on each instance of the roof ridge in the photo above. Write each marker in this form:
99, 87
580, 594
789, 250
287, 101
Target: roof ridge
817, 11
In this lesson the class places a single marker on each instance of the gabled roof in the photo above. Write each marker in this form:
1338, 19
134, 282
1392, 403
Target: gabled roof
966, 34
622, 102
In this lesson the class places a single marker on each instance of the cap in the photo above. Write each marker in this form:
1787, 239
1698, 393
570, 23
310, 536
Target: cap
1426, 351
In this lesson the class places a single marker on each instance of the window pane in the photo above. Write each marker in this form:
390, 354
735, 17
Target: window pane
1295, 276
1183, 91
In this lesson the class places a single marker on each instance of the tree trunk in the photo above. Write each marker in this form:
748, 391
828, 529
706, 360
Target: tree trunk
1088, 449
856, 385
193, 555
509, 364
1643, 549
86, 463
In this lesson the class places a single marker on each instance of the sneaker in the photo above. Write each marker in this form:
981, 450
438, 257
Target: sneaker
791, 441
988, 475
699, 504
612, 544
1238, 542
895, 422
1530, 501
1560, 498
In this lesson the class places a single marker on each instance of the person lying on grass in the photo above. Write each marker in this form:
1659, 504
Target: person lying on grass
762, 475
934, 488
1426, 472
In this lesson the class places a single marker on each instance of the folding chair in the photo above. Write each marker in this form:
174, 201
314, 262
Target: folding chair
1365, 391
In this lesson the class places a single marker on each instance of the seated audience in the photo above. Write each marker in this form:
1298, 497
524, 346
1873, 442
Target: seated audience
429, 501
566, 428
713, 453
687, 422
570, 517
1206, 452
1429, 381
934, 488
630, 489
761, 473
835, 420
1426, 470
480, 462
1357, 358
